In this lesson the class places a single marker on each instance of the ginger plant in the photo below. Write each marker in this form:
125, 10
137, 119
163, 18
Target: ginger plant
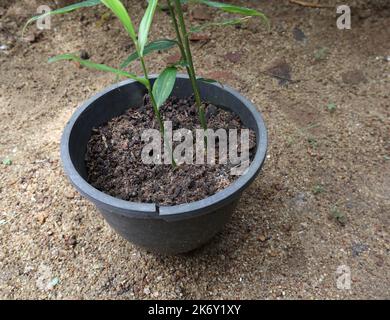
163, 85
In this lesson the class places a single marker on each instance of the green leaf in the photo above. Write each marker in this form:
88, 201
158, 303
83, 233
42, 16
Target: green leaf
235, 9
72, 7
101, 67
163, 85
144, 27
163, 44
120, 11
227, 22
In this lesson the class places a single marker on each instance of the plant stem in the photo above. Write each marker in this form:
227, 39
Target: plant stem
149, 87
178, 34
156, 111
186, 51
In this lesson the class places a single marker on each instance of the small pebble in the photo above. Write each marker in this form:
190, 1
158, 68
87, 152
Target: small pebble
146, 291
358, 248
84, 55
211, 111
299, 35
55, 281
42, 216
69, 194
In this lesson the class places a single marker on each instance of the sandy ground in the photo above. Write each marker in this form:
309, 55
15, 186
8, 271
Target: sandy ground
321, 202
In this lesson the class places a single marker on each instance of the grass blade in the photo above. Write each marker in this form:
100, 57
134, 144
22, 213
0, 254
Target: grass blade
164, 84
97, 66
163, 44
235, 9
120, 11
145, 24
70, 8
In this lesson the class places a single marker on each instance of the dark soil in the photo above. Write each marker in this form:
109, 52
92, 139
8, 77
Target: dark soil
115, 167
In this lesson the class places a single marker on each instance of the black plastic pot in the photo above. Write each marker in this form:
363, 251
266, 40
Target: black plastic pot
167, 230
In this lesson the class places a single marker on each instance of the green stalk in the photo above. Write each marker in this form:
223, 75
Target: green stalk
154, 104
186, 50
178, 34
155, 109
